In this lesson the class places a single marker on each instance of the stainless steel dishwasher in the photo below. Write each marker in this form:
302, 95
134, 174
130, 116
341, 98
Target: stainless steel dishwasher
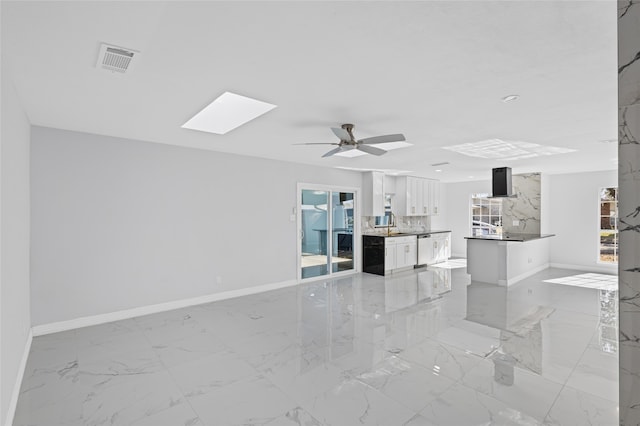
425, 248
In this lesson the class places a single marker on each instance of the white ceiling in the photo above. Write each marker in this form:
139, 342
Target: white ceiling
434, 71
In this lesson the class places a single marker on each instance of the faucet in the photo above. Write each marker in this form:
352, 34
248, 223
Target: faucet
391, 219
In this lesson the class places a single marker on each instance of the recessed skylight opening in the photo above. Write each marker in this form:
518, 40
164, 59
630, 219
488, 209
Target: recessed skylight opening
388, 146
350, 153
506, 150
226, 113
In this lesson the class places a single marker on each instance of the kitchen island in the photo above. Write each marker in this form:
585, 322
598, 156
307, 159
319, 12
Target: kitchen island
508, 258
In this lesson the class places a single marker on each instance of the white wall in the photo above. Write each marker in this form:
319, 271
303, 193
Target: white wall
574, 208
119, 224
14, 240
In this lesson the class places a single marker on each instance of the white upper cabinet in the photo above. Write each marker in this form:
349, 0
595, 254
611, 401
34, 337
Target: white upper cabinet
434, 197
373, 194
417, 196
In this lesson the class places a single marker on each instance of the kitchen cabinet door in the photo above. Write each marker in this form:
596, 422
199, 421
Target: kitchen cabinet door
406, 252
426, 197
442, 247
447, 241
412, 254
412, 196
390, 256
373, 194
434, 197
401, 255
421, 201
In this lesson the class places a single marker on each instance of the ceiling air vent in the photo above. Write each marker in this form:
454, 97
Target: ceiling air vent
115, 58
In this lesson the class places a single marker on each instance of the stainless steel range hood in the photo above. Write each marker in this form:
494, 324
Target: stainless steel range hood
501, 184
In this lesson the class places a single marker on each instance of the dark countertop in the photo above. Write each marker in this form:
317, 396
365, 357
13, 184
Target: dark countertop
511, 237
406, 234
435, 231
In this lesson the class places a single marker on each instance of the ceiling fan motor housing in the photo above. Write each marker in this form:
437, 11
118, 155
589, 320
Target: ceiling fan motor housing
349, 129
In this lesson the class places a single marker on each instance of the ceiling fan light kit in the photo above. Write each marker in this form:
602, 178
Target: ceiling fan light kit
349, 142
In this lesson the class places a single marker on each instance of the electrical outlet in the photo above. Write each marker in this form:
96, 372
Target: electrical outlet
218, 280
516, 222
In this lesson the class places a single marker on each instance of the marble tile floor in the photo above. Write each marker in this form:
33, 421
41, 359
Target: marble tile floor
424, 347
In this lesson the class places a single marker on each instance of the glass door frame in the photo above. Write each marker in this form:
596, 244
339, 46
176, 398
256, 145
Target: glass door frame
357, 240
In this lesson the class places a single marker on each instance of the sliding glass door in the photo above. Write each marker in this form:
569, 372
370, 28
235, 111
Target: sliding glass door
315, 222
342, 236
327, 228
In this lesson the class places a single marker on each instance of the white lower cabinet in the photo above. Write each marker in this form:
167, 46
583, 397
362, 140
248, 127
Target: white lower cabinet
447, 242
435, 249
443, 247
407, 253
400, 252
390, 248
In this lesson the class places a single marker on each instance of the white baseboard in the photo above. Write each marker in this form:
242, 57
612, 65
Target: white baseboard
55, 327
607, 269
518, 278
13, 403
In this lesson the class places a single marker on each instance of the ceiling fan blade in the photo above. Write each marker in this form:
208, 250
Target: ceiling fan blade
371, 149
333, 151
383, 139
341, 133
317, 143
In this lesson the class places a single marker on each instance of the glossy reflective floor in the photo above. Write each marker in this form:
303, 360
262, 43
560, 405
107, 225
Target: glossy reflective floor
419, 348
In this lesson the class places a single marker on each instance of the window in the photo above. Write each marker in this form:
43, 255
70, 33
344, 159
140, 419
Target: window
387, 219
486, 214
608, 232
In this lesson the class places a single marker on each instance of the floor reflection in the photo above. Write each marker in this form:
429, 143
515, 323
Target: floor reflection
423, 347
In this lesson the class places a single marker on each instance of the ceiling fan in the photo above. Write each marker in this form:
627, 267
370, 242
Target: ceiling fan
348, 142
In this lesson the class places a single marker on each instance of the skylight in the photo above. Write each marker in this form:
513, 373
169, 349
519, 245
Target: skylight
506, 150
226, 113
388, 146
350, 153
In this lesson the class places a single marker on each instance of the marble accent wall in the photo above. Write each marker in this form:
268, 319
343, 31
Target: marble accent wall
629, 208
403, 224
525, 208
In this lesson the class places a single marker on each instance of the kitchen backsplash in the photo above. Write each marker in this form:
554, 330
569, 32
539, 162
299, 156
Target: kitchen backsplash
525, 208
403, 224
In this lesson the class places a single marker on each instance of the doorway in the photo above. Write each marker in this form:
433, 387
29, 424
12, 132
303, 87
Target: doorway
327, 221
